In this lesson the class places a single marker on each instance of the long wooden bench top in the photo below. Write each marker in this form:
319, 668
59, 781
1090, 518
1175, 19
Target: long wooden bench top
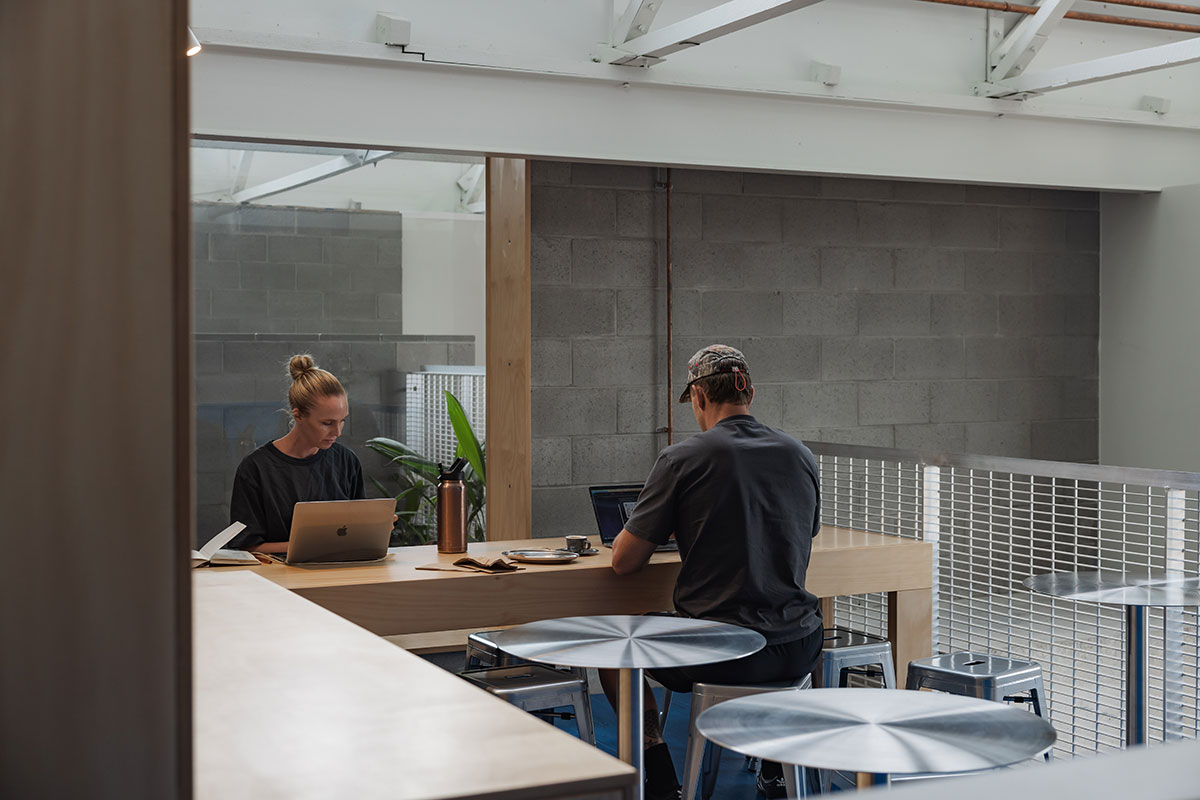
292, 701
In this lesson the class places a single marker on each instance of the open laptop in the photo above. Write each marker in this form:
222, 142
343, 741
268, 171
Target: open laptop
613, 506
340, 531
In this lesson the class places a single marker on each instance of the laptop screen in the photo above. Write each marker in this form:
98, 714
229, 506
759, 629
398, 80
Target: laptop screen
613, 506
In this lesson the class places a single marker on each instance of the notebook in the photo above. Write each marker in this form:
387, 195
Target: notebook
340, 531
613, 506
214, 553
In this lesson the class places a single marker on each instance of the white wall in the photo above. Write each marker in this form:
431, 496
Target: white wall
1150, 330
443, 258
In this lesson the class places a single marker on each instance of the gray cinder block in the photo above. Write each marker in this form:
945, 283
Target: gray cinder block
966, 226
1066, 273
857, 268
294, 249
413, 356
322, 222
374, 279
780, 184
820, 405
615, 262
372, 357
852, 358
893, 314
569, 411
390, 306
732, 313
390, 252
1033, 229
615, 361
1065, 440
1080, 398
858, 188
268, 276
216, 275
542, 173
962, 401
202, 308
562, 510
945, 438
573, 211
998, 195
777, 359
317, 277
870, 436
993, 357
643, 409
906, 224
891, 402
550, 261
928, 269
780, 266
820, 222
1064, 198
550, 362
997, 272
929, 357
239, 304
1073, 356
612, 176
734, 218
296, 305
377, 224
820, 313
224, 389
1030, 399
930, 192
706, 181
962, 314
214, 217
551, 461
350, 251
266, 219
238, 246
623, 458
1083, 231
767, 406
1011, 439
701, 265
208, 357
460, 353
350, 306
572, 312
643, 312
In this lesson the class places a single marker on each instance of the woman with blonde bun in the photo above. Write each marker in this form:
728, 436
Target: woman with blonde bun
305, 464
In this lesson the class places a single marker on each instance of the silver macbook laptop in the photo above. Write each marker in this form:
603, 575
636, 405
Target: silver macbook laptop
613, 506
340, 531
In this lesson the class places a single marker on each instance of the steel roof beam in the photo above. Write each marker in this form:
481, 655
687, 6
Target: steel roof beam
319, 172
1027, 38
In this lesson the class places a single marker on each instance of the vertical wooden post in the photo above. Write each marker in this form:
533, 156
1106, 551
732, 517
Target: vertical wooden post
95, 344
509, 438
910, 628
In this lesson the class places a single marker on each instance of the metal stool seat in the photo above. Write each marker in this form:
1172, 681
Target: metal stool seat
704, 756
845, 650
984, 676
534, 688
483, 652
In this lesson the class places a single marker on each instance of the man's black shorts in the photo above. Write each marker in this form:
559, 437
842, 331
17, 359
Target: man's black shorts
775, 662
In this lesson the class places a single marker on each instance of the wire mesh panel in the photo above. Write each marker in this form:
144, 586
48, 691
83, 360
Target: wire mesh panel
995, 522
428, 422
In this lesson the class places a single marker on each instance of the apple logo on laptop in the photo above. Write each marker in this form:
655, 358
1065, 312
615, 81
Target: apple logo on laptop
342, 531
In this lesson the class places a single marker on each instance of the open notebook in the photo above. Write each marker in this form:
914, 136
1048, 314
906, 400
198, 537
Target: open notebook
213, 554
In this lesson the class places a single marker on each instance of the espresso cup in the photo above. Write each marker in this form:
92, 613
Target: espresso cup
577, 544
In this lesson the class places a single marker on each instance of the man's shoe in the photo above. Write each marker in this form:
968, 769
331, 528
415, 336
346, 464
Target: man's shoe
771, 788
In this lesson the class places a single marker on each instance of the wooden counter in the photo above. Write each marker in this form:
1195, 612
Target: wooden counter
291, 701
395, 599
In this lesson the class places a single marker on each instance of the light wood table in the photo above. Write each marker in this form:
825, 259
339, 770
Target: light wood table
425, 610
291, 701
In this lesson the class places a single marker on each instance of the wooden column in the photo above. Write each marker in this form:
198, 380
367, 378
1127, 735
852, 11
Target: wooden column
95, 345
509, 497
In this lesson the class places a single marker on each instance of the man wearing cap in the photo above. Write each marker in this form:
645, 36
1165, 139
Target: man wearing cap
743, 501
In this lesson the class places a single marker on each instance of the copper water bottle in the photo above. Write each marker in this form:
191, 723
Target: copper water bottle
452, 509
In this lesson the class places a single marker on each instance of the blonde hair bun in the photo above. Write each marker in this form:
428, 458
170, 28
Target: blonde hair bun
300, 364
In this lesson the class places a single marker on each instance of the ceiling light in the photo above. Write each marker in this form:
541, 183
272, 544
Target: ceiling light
193, 43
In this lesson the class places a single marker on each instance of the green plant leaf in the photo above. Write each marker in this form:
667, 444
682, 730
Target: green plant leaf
468, 444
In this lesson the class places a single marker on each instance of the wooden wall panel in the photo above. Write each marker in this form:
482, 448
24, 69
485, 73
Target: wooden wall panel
95, 458
509, 497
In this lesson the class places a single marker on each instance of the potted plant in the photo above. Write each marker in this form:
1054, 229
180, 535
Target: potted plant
416, 480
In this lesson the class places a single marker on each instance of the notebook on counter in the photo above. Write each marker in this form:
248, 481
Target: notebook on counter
214, 553
614, 506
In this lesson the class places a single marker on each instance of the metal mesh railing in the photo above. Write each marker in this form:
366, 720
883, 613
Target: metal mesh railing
428, 423
996, 521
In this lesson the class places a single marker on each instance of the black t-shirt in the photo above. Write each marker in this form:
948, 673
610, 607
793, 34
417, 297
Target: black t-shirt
269, 483
744, 503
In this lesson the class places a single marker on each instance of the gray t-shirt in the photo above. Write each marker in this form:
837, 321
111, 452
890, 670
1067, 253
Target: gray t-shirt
743, 501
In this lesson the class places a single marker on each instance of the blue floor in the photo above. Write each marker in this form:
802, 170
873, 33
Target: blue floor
733, 781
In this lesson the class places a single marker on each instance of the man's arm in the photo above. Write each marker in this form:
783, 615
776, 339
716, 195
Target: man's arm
630, 553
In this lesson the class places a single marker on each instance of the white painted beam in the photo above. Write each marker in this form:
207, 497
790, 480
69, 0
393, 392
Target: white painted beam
1027, 38
243, 172
636, 21
726, 18
319, 172
1099, 69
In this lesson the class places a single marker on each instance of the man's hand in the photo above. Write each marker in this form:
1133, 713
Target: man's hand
630, 553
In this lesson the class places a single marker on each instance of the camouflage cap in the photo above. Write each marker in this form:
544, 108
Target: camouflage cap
712, 360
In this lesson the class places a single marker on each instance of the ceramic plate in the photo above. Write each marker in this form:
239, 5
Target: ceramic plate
541, 556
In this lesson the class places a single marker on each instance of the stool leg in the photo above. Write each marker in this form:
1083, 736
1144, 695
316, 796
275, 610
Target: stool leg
795, 781
1041, 707
583, 717
666, 707
889, 674
695, 751
712, 764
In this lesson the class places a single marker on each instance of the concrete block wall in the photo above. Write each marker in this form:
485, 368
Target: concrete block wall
241, 395
269, 269
914, 315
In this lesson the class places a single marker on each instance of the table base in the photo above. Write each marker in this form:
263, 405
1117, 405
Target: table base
631, 724
1137, 659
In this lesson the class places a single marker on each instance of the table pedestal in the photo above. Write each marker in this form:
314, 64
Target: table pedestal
1137, 657
631, 723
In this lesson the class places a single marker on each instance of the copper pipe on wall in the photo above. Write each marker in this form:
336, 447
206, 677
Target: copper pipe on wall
1178, 8
670, 324
1000, 5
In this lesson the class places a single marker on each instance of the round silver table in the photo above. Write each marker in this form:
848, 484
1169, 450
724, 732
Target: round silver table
629, 644
1136, 590
877, 732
